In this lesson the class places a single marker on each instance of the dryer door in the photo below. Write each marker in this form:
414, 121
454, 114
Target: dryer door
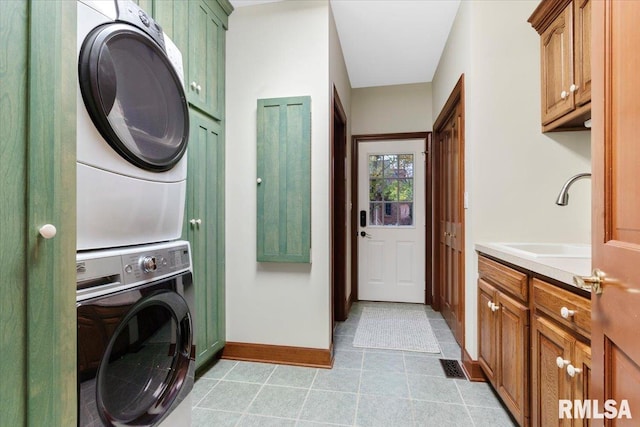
134, 96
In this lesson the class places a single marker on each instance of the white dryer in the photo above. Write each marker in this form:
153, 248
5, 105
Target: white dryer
132, 128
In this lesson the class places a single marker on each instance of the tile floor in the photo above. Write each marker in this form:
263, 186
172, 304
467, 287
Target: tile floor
366, 387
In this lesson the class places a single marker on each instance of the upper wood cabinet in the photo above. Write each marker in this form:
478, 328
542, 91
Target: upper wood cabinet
565, 62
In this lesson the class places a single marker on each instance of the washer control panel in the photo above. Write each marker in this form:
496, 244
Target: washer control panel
145, 265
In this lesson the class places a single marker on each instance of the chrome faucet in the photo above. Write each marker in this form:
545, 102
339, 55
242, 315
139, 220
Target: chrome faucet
563, 197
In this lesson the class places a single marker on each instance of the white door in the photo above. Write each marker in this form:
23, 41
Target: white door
391, 220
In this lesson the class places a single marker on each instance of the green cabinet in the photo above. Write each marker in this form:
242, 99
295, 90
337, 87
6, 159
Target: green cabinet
198, 29
205, 60
204, 228
284, 180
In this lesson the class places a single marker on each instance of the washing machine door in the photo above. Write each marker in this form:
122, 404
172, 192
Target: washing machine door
134, 96
146, 362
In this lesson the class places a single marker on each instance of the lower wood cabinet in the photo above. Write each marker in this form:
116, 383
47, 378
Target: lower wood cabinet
533, 343
503, 330
204, 228
561, 355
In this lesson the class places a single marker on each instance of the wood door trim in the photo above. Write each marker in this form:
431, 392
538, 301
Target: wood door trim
338, 241
280, 354
355, 140
456, 100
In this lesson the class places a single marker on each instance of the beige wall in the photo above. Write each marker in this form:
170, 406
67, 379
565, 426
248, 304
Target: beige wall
276, 50
513, 171
391, 109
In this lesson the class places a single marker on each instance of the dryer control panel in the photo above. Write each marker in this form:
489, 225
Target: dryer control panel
148, 265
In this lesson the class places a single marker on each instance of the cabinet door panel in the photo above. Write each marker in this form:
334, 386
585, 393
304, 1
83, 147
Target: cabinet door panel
513, 359
581, 383
487, 329
557, 67
206, 36
202, 226
583, 51
549, 381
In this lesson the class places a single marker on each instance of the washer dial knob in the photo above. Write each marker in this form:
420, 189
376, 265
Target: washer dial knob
148, 264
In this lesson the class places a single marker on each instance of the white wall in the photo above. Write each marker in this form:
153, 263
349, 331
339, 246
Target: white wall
390, 109
339, 78
513, 171
276, 50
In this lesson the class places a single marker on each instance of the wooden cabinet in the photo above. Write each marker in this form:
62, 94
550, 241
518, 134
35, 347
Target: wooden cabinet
503, 330
565, 53
204, 228
516, 308
561, 357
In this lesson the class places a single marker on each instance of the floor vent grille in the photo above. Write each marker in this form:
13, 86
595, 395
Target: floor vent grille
452, 368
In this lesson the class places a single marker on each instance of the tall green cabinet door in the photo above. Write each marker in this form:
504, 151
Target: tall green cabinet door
204, 228
37, 162
284, 180
205, 68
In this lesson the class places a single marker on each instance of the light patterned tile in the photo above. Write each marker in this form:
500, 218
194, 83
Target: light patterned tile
440, 414
201, 417
384, 383
434, 389
379, 411
329, 407
335, 379
276, 401
230, 396
250, 372
292, 376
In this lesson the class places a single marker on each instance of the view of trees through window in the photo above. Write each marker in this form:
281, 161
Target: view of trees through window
391, 190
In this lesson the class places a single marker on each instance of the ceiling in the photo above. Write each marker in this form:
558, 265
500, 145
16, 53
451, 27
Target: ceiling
389, 42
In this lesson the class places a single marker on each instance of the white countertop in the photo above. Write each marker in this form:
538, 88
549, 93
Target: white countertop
561, 269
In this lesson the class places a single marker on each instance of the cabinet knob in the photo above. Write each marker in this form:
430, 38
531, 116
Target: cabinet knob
194, 85
192, 221
48, 231
566, 313
198, 221
572, 370
489, 304
564, 94
494, 307
573, 88
198, 88
259, 181
562, 362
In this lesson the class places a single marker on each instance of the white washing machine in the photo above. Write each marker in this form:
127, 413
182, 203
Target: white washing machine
132, 128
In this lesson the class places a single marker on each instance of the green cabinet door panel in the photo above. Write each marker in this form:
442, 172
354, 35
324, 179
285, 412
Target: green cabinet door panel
37, 161
284, 173
204, 228
13, 210
205, 60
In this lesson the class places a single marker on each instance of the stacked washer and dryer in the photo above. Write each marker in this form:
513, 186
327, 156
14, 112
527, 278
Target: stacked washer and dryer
134, 277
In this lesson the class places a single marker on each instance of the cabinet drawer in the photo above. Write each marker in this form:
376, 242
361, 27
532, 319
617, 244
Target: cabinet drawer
551, 299
504, 277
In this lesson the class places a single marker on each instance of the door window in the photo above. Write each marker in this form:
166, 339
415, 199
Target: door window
391, 190
134, 96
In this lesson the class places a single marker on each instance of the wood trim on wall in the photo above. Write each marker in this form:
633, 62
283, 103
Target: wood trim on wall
337, 198
355, 140
455, 102
472, 368
285, 355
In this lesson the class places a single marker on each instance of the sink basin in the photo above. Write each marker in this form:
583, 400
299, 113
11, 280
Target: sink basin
548, 250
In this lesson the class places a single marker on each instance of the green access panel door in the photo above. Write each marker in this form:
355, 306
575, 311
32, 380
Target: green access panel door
284, 180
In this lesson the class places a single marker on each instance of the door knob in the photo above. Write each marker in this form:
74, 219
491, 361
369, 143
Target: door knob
562, 362
598, 279
566, 313
572, 370
48, 231
591, 283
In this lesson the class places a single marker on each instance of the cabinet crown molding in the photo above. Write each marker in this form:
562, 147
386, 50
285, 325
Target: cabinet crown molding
545, 13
